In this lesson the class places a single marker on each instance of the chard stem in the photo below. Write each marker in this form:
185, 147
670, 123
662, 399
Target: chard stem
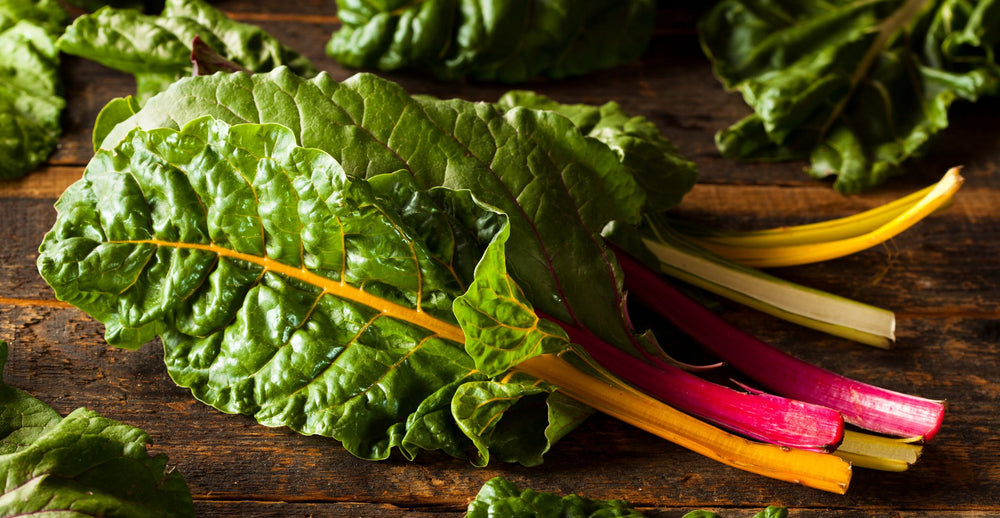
813, 251
872, 408
876, 452
817, 470
764, 417
795, 303
818, 232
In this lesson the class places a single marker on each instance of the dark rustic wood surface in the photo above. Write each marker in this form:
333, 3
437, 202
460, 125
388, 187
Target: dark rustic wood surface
942, 278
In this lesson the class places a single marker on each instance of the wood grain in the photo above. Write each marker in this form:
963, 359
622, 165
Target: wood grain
942, 278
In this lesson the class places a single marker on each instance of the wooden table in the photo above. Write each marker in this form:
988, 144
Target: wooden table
942, 278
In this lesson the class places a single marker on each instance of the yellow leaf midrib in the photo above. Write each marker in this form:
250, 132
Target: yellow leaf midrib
337, 289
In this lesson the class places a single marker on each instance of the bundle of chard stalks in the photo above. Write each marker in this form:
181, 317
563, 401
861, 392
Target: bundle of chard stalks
401, 272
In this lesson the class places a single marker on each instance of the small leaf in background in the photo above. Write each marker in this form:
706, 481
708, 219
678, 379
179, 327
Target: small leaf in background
508, 41
31, 101
157, 49
855, 87
81, 465
500, 497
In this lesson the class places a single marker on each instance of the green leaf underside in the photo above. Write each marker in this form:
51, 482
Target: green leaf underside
558, 187
157, 49
80, 465
31, 100
286, 290
856, 87
510, 41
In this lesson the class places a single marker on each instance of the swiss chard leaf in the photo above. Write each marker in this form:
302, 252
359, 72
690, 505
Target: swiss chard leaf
856, 87
636, 140
31, 100
558, 187
284, 289
157, 49
508, 41
500, 497
81, 465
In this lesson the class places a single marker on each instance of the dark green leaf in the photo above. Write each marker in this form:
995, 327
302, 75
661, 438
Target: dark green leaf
157, 49
47, 14
500, 497
80, 465
284, 289
30, 85
508, 41
770, 512
857, 87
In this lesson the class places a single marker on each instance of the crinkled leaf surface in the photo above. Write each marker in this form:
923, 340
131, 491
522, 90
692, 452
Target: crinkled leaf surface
284, 289
509, 41
47, 14
558, 187
856, 87
80, 465
636, 140
30, 85
773, 511
157, 49
500, 497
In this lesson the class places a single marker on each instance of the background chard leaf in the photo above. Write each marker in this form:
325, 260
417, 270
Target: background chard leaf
80, 465
284, 289
511, 41
31, 100
501, 497
856, 87
558, 187
157, 49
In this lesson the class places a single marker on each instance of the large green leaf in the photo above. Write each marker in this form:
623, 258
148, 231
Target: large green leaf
157, 49
284, 289
30, 85
856, 87
80, 465
509, 41
558, 187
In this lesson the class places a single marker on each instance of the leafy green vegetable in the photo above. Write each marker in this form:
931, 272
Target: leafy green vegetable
83, 464
772, 511
500, 497
157, 49
284, 289
30, 85
856, 87
558, 187
636, 140
508, 41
